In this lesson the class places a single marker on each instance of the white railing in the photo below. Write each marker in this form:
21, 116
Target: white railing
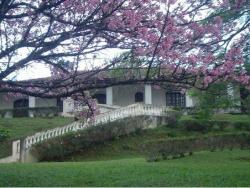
129, 111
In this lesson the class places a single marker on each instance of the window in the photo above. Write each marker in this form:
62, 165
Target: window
175, 99
139, 97
101, 98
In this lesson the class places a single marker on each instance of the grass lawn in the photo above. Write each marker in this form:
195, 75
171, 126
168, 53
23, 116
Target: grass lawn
120, 162
227, 168
231, 118
22, 127
128, 146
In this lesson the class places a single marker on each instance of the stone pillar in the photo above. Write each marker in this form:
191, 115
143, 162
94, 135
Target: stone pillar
15, 157
16, 147
25, 154
8, 114
148, 94
109, 96
32, 104
68, 107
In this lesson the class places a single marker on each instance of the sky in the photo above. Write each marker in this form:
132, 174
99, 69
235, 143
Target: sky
41, 71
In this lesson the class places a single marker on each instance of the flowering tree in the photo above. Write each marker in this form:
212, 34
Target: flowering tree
189, 42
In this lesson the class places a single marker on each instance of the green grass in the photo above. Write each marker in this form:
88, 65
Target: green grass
131, 145
22, 127
231, 118
227, 168
128, 146
120, 162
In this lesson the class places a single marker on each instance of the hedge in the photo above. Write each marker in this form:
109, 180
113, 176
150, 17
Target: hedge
4, 134
5, 148
209, 125
176, 148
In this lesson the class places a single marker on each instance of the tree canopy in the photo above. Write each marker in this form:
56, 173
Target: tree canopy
191, 43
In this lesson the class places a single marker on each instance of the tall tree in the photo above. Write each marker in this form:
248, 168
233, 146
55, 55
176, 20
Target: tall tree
188, 42
244, 92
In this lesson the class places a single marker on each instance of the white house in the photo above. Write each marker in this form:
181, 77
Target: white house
110, 97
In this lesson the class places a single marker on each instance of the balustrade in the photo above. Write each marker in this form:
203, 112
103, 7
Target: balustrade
129, 111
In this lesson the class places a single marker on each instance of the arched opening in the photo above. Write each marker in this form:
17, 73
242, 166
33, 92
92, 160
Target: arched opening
101, 98
21, 108
139, 97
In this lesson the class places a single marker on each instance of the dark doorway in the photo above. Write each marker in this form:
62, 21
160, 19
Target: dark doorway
139, 97
59, 104
101, 98
21, 108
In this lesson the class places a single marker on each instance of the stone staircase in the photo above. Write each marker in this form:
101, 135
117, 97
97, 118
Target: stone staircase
19, 148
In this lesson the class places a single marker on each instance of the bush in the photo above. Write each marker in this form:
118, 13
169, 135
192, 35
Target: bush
154, 157
204, 125
4, 135
173, 118
219, 125
5, 148
194, 125
177, 148
163, 149
242, 125
171, 134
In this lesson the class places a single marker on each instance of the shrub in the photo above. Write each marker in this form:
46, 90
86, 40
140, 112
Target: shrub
173, 118
177, 148
242, 125
194, 125
204, 125
154, 157
163, 149
5, 148
213, 99
171, 134
4, 135
219, 125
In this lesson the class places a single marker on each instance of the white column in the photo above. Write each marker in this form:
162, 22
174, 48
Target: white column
109, 95
234, 93
230, 90
32, 104
189, 101
148, 94
68, 106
